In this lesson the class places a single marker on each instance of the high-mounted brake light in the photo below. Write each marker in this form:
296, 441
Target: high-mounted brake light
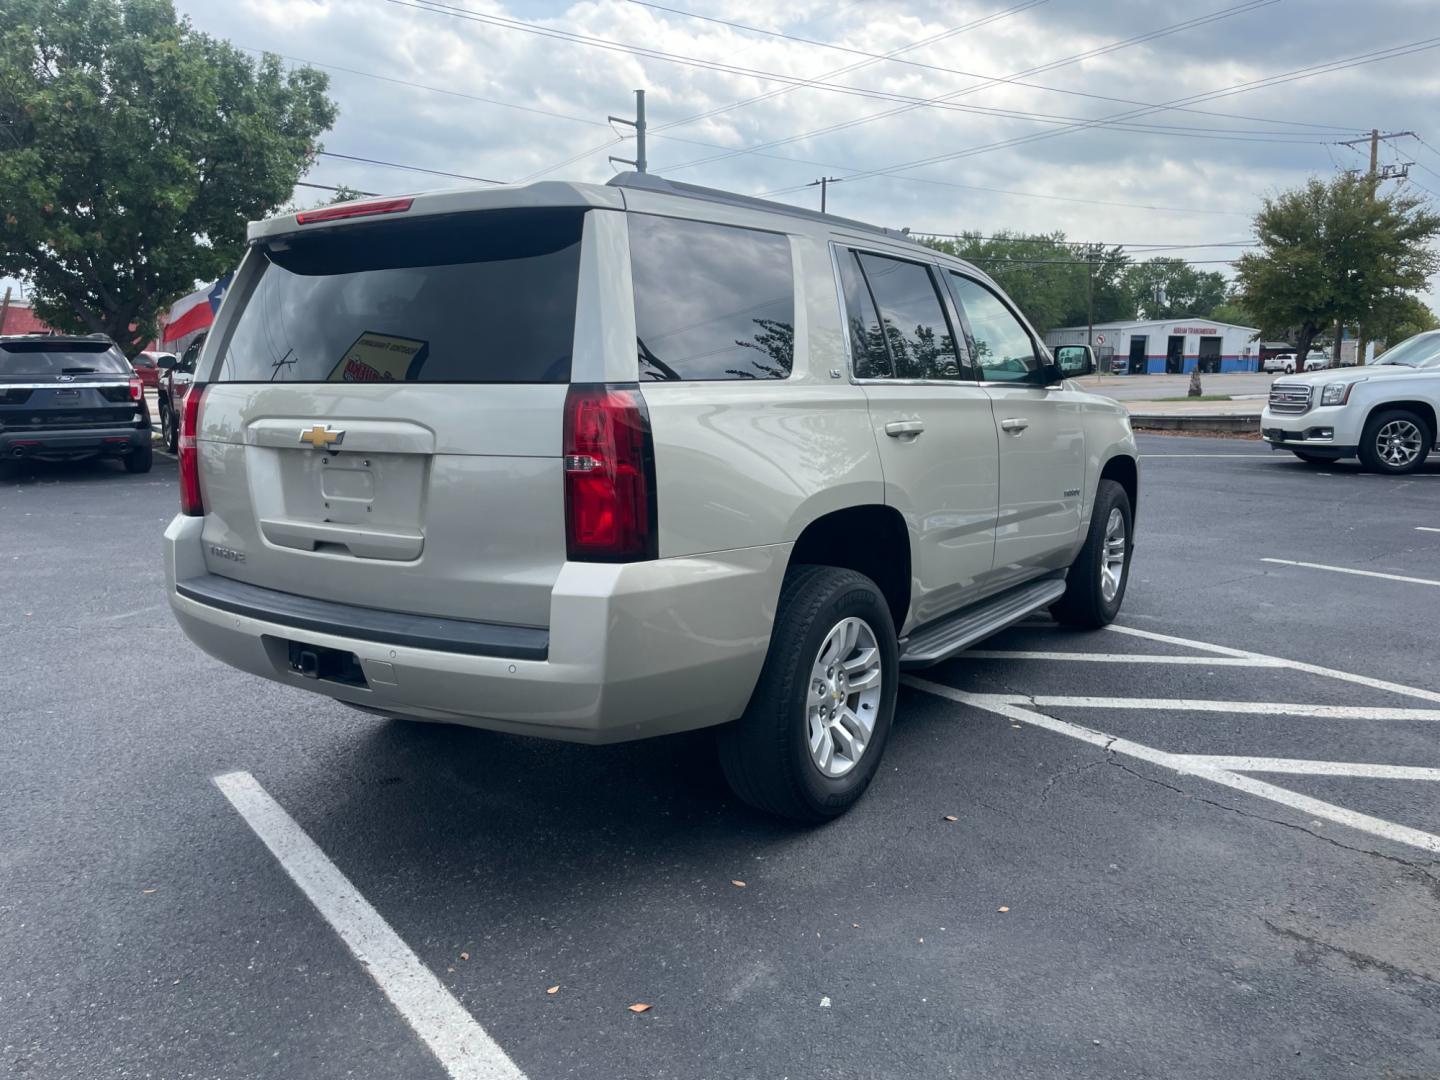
191, 503
609, 475
353, 209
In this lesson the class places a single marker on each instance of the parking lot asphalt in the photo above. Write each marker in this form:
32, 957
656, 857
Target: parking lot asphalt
1138, 882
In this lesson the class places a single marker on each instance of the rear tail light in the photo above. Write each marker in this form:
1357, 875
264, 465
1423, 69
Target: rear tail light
609, 475
137, 388
190, 501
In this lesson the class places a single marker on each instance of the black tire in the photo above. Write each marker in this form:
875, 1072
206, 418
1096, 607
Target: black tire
168, 431
766, 753
1315, 459
140, 459
1370, 454
1084, 603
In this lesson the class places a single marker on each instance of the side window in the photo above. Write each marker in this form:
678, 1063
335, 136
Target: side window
1004, 351
711, 301
916, 329
867, 340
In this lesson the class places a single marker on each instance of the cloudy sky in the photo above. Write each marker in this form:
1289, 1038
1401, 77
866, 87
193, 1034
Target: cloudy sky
988, 114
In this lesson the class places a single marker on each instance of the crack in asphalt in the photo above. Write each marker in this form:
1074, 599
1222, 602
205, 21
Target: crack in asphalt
1361, 961
1065, 774
1422, 869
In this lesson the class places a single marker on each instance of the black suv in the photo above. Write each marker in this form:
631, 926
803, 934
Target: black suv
68, 398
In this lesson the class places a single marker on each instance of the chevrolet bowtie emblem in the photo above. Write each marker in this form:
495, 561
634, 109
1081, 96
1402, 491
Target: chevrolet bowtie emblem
322, 437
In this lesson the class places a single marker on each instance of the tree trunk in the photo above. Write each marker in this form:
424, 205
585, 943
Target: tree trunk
1195, 388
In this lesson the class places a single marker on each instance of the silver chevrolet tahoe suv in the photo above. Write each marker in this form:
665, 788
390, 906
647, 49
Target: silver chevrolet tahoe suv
604, 462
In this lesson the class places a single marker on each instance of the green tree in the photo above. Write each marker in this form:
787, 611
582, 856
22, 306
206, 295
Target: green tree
1047, 276
1399, 316
1336, 250
1165, 288
1231, 311
136, 149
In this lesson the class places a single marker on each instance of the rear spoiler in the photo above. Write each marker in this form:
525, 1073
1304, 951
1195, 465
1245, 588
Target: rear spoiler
463, 200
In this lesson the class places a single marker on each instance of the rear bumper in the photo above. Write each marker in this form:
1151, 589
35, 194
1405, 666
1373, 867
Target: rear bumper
633, 650
72, 443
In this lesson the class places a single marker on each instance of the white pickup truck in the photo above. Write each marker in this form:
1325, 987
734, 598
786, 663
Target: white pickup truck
1383, 412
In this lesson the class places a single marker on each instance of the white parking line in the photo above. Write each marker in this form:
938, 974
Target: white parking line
1004, 706
1425, 528
1314, 768
1253, 708
1294, 665
1358, 573
451, 1033
1121, 658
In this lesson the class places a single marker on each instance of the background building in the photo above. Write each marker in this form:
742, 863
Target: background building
1167, 346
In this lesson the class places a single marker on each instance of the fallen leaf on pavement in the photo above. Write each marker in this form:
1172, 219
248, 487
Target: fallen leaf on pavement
639, 1007
147, 892
464, 956
738, 884
1002, 909
951, 817
553, 989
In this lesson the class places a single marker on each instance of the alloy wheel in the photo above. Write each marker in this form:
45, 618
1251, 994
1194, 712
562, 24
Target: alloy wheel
1112, 562
844, 697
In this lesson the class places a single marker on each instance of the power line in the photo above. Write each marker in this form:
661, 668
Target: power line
1013, 81
436, 7
422, 86
775, 157
407, 168
769, 94
1143, 247
1328, 67
332, 187
1064, 61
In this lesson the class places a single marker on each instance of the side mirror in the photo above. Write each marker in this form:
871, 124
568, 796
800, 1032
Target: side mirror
165, 363
1073, 361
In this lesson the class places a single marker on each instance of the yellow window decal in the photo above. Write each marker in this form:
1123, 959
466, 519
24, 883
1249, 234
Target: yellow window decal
381, 358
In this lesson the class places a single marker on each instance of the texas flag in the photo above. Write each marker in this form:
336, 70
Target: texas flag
194, 312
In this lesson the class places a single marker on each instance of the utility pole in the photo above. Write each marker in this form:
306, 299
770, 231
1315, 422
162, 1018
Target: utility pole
1376, 174
1090, 309
639, 125
5, 310
824, 182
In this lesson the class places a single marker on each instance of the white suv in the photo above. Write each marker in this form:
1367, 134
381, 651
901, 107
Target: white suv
1383, 412
600, 463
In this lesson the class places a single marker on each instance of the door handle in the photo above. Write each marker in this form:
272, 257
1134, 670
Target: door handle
899, 429
1015, 425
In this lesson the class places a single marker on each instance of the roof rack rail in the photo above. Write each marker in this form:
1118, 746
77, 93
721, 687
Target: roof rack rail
651, 182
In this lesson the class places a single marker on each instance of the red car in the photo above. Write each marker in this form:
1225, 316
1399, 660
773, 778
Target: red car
147, 366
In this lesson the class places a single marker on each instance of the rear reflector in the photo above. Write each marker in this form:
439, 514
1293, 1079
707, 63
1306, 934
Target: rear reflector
190, 502
353, 209
609, 475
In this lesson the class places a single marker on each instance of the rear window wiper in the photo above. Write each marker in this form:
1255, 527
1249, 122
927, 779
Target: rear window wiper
78, 370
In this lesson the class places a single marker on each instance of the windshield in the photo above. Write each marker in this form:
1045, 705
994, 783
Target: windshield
45, 359
1420, 351
476, 298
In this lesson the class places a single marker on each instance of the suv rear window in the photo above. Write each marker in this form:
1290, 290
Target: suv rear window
474, 298
42, 358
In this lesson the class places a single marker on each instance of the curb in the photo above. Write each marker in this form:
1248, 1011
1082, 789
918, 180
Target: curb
1249, 424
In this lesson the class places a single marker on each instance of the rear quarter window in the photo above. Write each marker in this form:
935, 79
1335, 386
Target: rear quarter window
475, 298
712, 302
